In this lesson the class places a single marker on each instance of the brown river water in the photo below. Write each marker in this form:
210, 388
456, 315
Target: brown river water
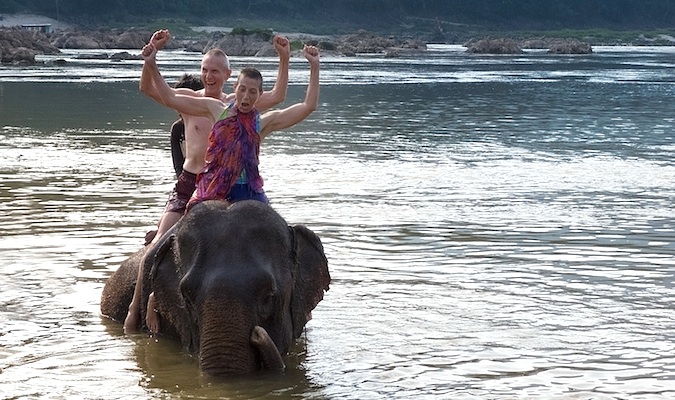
496, 227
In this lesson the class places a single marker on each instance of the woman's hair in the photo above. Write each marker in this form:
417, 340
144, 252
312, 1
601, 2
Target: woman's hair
190, 81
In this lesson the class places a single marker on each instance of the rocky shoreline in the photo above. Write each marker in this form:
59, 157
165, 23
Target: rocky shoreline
19, 46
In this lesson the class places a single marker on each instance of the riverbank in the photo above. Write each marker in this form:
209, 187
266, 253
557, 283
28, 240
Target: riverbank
20, 43
448, 33
22, 36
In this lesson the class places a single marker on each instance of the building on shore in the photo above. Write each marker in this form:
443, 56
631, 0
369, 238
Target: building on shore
44, 28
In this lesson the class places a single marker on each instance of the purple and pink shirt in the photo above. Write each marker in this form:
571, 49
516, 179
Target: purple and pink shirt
232, 156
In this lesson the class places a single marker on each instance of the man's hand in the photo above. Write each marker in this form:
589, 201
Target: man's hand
311, 54
160, 38
282, 46
148, 52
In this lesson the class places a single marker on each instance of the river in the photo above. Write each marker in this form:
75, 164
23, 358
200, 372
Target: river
496, 227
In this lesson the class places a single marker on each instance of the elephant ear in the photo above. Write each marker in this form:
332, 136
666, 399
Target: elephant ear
119, 288
165, 276
149, 264
311, 276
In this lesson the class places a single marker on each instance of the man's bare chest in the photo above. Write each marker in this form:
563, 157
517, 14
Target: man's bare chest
197, 128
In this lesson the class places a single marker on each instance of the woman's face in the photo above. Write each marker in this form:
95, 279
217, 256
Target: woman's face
247, 91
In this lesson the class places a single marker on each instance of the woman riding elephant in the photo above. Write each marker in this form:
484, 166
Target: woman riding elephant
235, 284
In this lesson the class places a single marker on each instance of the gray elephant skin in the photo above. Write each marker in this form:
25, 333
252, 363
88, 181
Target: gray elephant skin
236, 285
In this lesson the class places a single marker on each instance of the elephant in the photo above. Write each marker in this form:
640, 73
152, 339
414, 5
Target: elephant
234, 284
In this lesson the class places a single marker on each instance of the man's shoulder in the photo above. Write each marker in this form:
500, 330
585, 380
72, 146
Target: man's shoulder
189, 92
227, 98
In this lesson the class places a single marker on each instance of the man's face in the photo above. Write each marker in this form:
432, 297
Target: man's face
247, 91
214, 75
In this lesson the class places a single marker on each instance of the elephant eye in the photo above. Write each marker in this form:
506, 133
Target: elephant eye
267, 305
186, 289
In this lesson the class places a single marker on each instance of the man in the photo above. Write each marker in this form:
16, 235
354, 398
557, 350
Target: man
215, 70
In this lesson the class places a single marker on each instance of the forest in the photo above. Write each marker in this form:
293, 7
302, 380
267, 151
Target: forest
340, 16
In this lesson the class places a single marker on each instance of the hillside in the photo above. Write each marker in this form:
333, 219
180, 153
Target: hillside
442, 20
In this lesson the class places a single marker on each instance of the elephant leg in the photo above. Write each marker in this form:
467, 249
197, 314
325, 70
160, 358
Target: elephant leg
271, 358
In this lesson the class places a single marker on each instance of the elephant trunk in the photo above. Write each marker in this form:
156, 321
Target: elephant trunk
229, 349
269, 354
225, 349
231, 357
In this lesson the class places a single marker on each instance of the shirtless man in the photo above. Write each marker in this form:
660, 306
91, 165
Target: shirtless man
215, 70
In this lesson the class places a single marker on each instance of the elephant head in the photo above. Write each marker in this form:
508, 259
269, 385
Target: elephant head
234, 284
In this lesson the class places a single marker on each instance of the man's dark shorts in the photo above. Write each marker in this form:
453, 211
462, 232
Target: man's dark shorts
182, 192
242, 191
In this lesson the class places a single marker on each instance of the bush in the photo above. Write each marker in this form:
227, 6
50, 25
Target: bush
296, 45
264, 34
328, 46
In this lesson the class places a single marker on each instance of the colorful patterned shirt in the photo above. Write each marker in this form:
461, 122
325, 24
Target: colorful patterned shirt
232, 155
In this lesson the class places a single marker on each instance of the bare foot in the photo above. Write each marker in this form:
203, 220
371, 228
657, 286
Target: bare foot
152, 317
131, 322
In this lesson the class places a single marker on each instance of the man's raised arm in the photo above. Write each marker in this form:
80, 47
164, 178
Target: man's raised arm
289, 116
146, 85
278, 92
202, 106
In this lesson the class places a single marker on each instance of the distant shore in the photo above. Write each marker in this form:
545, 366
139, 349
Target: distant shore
11, 20
453, 34
14, 20
22, 36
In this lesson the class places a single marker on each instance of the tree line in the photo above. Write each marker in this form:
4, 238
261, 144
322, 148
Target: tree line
365, 14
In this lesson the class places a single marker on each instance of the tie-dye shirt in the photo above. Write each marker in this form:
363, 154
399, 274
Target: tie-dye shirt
231, 156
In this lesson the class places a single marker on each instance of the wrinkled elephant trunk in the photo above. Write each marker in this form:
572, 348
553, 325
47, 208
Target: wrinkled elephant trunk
240, 354
219, 359
269, 354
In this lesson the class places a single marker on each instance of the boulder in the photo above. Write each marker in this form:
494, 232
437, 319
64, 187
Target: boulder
494, 46
267, 50
131, 40
19, 46
125, 55
102, 39
194, 46
571, 46
77, 42
238, 45
97, 56
19, 56
557, 45
17, 37
367, 42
